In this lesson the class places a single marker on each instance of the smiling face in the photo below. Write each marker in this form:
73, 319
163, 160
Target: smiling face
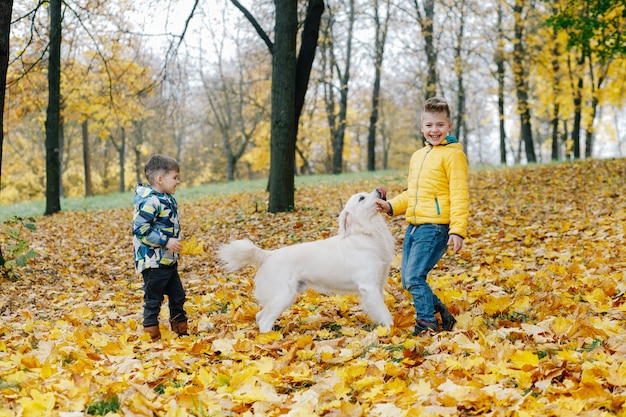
435, 127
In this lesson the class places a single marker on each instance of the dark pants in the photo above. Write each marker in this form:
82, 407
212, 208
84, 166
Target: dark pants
157, 283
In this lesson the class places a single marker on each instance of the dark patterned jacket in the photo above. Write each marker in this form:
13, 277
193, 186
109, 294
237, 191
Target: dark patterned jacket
155, 221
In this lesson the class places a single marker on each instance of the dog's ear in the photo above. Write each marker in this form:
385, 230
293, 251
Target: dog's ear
345, 220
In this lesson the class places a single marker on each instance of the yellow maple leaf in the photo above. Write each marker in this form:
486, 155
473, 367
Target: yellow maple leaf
569, 355
562, 325
617, 374
341, 390
268, 337
598, 300
524, 359
38, 405
497, 304
192, 246
240, 378
204, 377
258, 391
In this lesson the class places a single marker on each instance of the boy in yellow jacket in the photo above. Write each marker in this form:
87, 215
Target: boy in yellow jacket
436, 206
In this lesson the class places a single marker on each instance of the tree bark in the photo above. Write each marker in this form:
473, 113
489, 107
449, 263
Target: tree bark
283, 129
577, 89
137, 140
339, 138
6, 8
555, 132
595, 87
426, 18
459, 124
380, 40
290, 77
306, 56
122, 161
53, 114
501, 77
521, 83
556, 107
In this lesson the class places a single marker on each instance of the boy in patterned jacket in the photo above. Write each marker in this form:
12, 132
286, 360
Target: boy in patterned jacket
436, 206
156, 242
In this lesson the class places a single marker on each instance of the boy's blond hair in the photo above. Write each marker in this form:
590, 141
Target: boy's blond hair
436, 105
159, 165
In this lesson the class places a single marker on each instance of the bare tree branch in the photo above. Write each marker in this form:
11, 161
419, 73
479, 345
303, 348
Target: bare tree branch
255, 24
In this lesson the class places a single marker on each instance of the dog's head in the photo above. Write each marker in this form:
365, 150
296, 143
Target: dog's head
360, 213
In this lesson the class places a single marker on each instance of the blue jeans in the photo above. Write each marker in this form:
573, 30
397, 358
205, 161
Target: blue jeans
423, 246
159, 282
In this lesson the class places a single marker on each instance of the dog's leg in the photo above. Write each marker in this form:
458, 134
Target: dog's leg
373, 304
273, 309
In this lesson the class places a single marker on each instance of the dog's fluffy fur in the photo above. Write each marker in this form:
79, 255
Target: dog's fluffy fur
357, 259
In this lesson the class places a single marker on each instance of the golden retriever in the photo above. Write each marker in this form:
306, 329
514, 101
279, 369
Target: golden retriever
356, 260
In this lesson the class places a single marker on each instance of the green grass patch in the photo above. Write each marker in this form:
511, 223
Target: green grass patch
184, 195
103, 407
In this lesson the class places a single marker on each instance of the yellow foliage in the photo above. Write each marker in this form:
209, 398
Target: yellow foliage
37, 404
192, 246
539, 300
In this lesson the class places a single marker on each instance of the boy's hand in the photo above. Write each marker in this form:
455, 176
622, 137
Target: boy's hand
456, 241
382, 205
174, 245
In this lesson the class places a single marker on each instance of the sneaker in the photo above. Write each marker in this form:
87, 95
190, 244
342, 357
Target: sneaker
422, 326
447, 319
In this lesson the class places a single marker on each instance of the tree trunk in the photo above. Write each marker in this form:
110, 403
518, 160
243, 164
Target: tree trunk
308, 45
555, 109
577, 91
339, 139
53, 164
595, 87
459, 125
555, 132
589, 129
283, 129
426, 18
6, 7
521, 83
121, 159
328, 65
556, 90
61, 149
501, 77
564, 139
290, 77
380, 40
137, 140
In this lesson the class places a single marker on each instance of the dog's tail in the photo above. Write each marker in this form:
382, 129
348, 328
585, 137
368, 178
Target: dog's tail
235, 255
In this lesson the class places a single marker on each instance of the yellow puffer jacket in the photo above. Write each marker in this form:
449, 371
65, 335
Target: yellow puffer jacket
438, 190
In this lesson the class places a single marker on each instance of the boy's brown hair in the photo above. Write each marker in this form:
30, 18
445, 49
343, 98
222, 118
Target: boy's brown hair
158, 165
437, 105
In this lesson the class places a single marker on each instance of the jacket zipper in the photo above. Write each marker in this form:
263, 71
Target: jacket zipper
419, 174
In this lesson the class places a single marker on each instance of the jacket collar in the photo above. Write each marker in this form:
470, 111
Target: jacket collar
447, 141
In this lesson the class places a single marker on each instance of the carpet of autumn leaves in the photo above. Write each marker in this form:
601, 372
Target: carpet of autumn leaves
538, 291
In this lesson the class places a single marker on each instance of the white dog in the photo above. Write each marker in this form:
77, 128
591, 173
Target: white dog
356, 260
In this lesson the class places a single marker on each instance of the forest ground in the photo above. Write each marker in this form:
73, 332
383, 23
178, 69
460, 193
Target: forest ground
538, 291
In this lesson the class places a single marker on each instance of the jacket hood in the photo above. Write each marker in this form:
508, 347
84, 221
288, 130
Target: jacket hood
142, 192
